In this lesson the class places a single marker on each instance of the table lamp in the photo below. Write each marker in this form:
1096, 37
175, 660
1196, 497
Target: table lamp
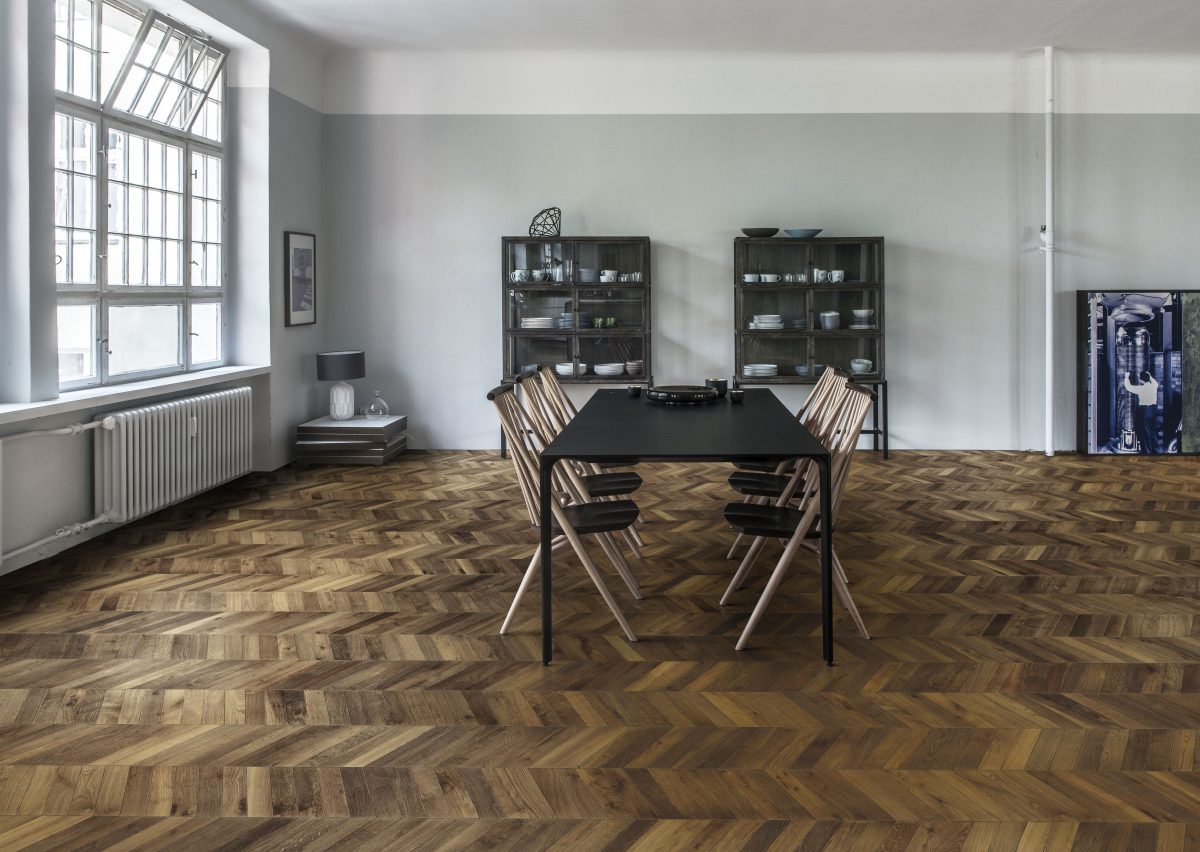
339, 366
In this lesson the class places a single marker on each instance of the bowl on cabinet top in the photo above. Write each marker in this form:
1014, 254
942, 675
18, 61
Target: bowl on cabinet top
802, 233
760, 232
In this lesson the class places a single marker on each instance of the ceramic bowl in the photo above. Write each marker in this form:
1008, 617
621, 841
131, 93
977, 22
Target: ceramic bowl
860, 365
802, 233
760, 232
863, 313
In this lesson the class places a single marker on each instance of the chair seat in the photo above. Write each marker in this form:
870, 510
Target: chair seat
758, 484
589, 518
612, 484
768, 521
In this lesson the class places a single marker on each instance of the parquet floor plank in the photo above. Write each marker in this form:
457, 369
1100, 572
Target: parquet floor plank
309, 659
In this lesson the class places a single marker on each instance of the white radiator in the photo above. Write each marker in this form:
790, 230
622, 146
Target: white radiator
160, 454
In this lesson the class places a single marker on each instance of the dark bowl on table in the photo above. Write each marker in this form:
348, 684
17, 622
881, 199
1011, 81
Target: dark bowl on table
760, 232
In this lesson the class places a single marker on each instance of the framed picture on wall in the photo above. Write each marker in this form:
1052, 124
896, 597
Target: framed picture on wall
299, 278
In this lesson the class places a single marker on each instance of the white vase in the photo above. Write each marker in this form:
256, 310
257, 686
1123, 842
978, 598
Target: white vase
341, 401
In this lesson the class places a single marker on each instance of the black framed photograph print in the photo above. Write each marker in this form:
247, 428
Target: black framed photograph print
299, 278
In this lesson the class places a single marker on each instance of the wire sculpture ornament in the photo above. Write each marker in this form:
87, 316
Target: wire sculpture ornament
546, 223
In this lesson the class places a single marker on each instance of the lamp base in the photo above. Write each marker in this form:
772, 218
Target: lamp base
341, 401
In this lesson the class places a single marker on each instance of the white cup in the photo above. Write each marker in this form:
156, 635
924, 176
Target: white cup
768, 278
608, 276
837, 276
750, 278
820, 276
830, 320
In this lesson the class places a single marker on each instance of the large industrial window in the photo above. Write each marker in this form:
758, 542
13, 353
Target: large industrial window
139, 194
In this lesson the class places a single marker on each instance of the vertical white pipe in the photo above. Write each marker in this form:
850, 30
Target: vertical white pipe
1048, 249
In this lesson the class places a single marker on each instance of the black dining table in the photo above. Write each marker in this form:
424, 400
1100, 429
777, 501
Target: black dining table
614, 427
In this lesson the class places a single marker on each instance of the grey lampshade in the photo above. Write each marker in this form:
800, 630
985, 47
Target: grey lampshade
347, 364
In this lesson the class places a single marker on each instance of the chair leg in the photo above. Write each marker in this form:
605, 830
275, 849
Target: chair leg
768, 592
839, 584
739, 577
590, 567
618, 561
634, 541
733, 547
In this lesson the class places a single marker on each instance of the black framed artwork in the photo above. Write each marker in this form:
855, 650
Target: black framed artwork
299, 278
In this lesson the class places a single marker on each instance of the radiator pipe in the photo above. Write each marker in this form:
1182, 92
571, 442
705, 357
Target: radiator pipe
61, 532
108, 423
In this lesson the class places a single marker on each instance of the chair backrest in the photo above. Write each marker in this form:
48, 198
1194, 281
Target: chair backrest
557, 395
522, 448
828, 387
540, 407
840, 435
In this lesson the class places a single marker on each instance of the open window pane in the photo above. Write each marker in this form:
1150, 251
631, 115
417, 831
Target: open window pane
76, 343
206, 332
143, 338
118, 28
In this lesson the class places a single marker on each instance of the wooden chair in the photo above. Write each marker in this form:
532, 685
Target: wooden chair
798, 524
573, 516
761, 481
591, 482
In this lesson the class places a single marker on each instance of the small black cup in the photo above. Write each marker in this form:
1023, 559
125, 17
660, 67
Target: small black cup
719, 385
635, 391
735, 396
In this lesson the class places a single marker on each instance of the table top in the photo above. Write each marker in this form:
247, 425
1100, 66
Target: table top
614, 426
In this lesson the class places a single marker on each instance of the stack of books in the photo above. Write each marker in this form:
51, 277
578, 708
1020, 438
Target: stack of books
358, 440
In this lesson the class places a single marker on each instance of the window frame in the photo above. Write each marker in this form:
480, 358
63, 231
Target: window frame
103, 295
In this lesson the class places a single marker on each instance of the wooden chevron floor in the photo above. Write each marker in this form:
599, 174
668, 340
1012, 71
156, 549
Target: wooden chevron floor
309, 659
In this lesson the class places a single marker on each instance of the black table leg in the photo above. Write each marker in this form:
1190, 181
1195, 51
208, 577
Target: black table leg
883, 400
826, 562
546, 521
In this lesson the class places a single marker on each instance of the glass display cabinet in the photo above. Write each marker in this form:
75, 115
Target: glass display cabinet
580, 303
801, 305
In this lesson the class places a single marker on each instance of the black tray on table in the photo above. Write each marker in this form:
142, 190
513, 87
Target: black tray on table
681, 394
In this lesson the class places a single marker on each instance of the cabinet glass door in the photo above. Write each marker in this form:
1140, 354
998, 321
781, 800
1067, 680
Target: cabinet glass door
857, 263
783, 352
774, 309
539, 308
540, 261
611, 263
856, 354
622, 309
849, 309
528, 352
611, 356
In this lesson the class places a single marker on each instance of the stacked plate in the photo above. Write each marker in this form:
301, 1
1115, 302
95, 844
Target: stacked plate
760, 370
858, 325
798, 324
767, 322
537, 322
634, 368
614, 369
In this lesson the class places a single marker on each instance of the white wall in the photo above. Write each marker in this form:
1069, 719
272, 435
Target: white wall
431, 157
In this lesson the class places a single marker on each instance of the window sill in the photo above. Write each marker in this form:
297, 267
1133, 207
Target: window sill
88, 398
